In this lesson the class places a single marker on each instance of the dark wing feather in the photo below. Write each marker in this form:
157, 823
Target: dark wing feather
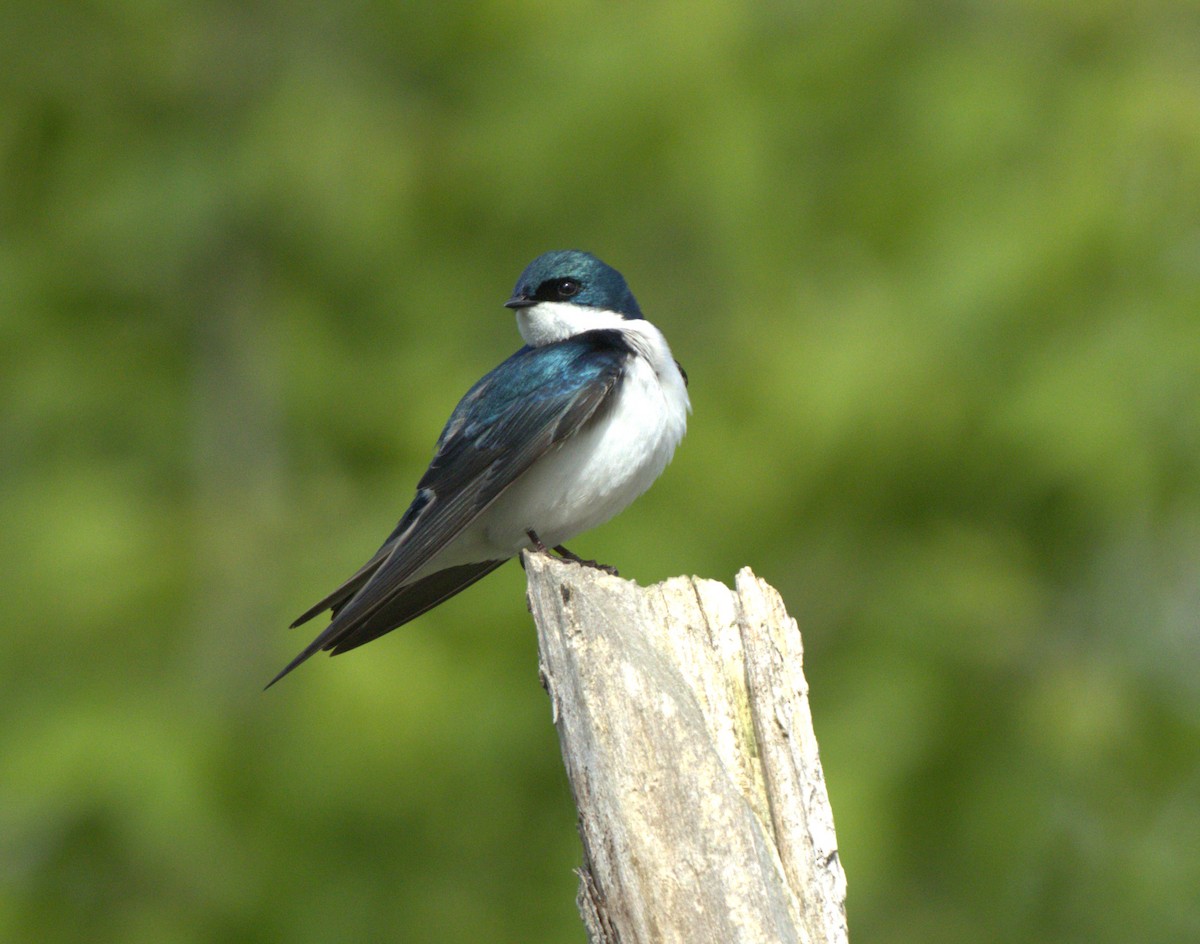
413, 600
343, 594
535, 399
406, 604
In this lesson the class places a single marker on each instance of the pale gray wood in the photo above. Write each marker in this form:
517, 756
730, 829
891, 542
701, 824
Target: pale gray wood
683, 716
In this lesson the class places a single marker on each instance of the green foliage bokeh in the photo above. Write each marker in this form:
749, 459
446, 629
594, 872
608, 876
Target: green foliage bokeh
934, 271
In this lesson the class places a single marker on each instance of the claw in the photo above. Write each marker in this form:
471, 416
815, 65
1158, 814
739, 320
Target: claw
576, 559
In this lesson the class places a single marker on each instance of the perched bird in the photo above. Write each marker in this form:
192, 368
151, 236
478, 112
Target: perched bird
558, 439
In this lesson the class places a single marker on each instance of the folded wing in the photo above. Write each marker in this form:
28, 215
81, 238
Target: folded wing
505, 423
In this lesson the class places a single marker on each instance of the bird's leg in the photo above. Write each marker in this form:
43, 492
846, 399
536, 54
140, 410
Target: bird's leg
575, 558
537, 546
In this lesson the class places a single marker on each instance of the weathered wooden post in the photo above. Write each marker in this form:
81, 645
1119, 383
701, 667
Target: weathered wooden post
683, 716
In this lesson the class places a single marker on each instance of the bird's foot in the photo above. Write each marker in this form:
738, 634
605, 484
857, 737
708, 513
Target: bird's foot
567, 555
576, 559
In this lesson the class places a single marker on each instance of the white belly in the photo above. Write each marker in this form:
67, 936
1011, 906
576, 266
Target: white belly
597, 472
594, 474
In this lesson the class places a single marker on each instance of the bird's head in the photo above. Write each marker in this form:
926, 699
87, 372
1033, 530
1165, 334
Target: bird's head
566, 292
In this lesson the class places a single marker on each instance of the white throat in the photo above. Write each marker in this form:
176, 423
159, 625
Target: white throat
547, 322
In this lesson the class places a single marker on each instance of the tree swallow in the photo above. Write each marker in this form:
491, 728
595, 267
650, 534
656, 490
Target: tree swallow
558, 439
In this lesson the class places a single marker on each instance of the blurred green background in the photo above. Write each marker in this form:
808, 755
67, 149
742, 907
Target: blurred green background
934, 270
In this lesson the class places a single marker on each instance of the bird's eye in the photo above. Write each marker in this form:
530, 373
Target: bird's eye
566, 288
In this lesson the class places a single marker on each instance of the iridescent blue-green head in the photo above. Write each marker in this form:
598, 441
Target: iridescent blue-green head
573, 277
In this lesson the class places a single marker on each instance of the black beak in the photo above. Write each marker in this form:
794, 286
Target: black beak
520, 301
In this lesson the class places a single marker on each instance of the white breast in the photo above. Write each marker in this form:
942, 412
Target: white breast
597, 472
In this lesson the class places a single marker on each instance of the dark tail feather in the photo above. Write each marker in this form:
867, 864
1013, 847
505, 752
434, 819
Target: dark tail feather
408, 603
311, 649
341, 596
419, 598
